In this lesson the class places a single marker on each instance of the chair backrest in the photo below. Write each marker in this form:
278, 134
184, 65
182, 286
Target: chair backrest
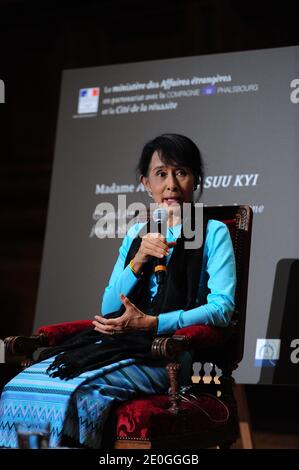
238, 219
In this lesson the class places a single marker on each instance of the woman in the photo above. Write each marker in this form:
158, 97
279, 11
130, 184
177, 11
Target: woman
198, 289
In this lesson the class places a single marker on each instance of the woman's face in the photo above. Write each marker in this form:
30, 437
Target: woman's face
170, 185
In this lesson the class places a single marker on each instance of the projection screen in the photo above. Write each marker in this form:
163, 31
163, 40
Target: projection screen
242, 111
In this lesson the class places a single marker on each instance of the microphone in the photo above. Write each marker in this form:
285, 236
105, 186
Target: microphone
160, 216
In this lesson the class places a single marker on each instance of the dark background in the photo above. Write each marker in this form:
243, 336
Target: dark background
40, 39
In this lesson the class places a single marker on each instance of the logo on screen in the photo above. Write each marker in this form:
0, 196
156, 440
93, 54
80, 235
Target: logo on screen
88, 100
267, 352
209, 90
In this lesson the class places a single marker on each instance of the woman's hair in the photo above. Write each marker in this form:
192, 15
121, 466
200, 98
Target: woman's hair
173, 149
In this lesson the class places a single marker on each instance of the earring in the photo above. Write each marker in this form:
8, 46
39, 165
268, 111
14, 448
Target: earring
195, 187
149, 193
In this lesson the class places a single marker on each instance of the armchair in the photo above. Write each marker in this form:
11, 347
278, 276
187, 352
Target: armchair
205, 415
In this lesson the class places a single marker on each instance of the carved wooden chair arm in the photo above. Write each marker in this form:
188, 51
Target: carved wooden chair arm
24, 345
169, 347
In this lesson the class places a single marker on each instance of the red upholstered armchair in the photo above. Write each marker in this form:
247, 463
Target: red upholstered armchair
207, 415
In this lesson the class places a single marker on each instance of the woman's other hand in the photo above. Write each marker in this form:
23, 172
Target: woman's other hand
132, 319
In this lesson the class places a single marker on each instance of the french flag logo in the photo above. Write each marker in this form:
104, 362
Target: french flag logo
88, 102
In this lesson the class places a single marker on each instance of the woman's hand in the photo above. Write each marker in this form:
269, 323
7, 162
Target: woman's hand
152, 244
132, 319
